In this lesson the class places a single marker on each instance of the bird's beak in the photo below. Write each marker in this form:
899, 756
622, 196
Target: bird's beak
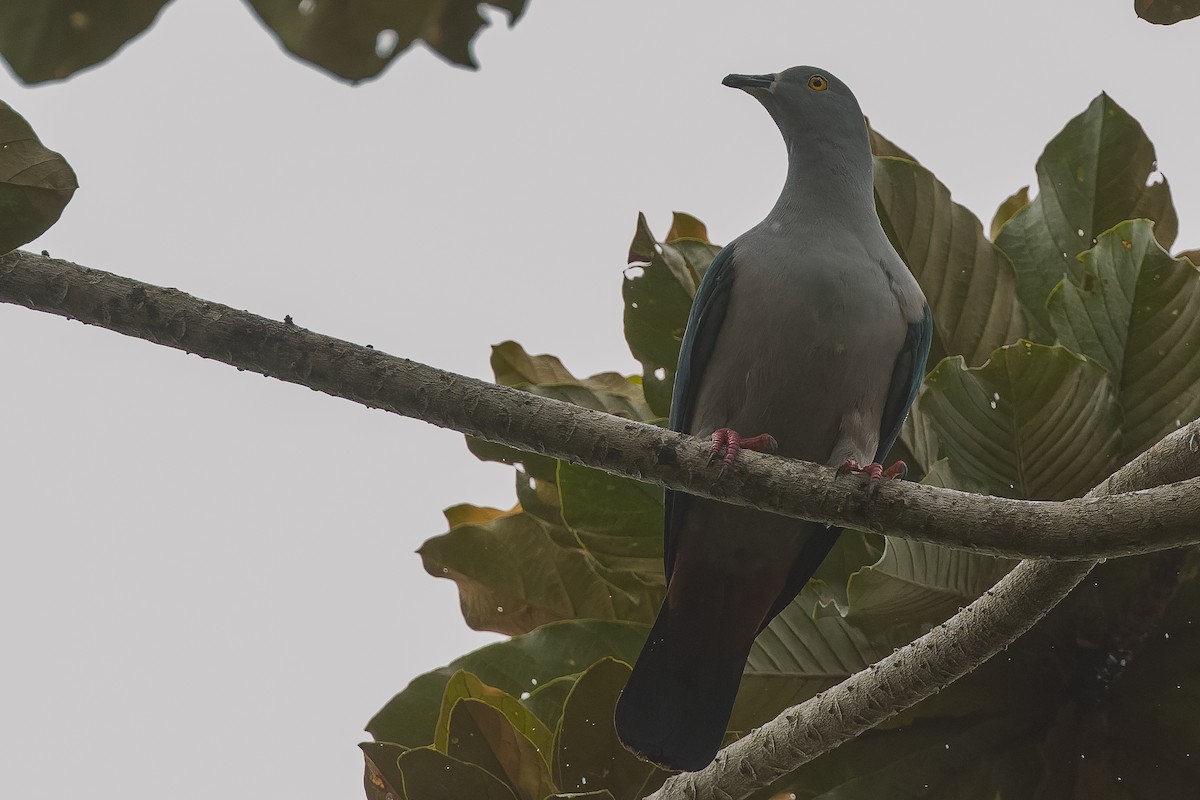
748, 82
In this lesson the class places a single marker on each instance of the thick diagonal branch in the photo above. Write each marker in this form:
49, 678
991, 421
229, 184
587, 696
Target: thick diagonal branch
1164, 517
931, 663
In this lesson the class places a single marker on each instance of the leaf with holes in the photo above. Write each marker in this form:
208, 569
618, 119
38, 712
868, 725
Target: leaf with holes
357, 39
1136, 310
1034, 422
1098, 172
50, 41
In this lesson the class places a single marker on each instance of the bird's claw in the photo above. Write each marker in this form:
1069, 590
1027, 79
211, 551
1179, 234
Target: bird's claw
874, 471
728, 443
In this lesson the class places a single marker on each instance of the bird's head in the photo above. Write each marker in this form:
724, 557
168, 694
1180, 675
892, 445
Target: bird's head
812, 108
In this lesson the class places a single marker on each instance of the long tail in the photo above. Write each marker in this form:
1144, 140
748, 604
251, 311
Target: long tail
677, 703
675, 709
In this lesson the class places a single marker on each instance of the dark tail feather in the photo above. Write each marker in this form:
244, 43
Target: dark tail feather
676, 706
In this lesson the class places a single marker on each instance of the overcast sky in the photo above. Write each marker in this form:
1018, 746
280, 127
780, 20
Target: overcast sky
207, 582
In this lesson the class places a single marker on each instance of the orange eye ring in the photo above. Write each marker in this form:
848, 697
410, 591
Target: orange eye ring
818, 83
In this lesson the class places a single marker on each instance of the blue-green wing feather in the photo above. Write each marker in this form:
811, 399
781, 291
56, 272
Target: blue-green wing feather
699, 339
906, 381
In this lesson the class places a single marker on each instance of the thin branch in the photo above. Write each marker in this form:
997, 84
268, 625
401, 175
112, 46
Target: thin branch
1161, 518
926, 666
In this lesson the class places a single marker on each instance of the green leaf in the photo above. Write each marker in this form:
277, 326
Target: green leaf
885, 147
797, 656
1136, 311
1091, 176
1034, 422
430, 775
357, 39
1009, 207
658, 288
514, 575
1166, 12
381, 773
516, 666
465, 686
482, 734
35, 183
50, 41
914, 582
685, 226
618, 520
603, 795
545, 375
546, 701
968, 281
588, 755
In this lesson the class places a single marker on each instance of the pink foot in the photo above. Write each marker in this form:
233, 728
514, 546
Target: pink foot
875, 470
727, 443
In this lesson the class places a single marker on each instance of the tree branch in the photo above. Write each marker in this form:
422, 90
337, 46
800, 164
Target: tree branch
928, 665
1084, 529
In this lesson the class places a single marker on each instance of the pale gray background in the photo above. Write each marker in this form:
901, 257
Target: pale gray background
207, 581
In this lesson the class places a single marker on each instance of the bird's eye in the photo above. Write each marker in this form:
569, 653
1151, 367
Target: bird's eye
818, 83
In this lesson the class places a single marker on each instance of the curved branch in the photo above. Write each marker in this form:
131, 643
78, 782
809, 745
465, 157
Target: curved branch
1094, 527
926, 666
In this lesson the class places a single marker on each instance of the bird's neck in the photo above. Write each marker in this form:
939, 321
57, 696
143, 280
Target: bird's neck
827, 183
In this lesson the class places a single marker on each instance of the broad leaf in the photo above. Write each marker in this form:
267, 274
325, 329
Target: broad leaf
482, 734
618, 520
658, 288
514, 574
545, 375
588, 755
915, 582
1136, 311
799, 655
48, 40
883, 146
465, 686
35, 183
1007, 209
1166, 12
357, 39
430, 775
382, 779
967, 280
1093, 175
1035, 422
546, 701
516, 666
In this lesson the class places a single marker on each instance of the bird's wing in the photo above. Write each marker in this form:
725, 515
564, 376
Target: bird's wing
703, 326
906, 380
